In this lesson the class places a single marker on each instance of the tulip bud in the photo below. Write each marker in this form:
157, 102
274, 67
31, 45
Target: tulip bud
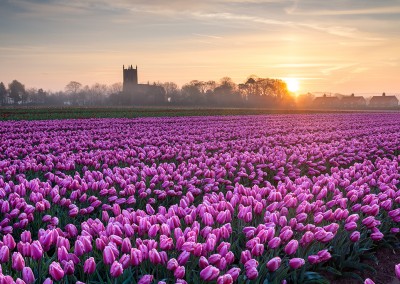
116, 269
296, 262
90, 266
274, 263
27, 275
18, 262
56, 271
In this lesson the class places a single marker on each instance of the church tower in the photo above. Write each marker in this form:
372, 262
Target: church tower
130, 78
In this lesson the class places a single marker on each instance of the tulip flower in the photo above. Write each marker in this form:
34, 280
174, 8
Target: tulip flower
27, 275
146, 279
291, 247
274, 263
179, 272
209, 273
108, 256
397, 270
355, 236
116, 269
90, 266
18, 262
296, 263
56, 271
69, 267
4, 254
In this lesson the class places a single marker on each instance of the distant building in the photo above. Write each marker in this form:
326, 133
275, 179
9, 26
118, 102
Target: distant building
353, 101
141, 94
130, 78
326, 102
384, 101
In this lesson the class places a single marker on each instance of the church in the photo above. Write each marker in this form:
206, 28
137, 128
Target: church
140, 94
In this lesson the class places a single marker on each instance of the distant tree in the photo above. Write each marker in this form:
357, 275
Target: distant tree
31, 93
192, 94
3, 93
115, 88
73, 87
16, 91
172, 93
41, 96
226, 94
97, 94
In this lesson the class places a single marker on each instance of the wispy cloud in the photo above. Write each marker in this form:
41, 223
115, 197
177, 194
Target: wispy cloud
367, 11
208, 36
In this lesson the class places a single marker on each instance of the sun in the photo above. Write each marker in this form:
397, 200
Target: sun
292, 84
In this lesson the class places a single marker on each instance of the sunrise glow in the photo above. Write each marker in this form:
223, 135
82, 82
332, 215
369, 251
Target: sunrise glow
293, 84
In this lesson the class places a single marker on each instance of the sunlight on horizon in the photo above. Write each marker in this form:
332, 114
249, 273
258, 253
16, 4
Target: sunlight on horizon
293, 84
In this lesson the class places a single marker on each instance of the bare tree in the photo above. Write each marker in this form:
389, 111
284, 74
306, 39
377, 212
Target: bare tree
73, 87
115, 88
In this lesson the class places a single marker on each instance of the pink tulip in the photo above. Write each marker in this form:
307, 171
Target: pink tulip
274, 243
296, 263
108, 256
245, 256
324, 255
225, 279
209, 273
313, 259
26, 237
24, 248
355, 236
291, 247
274, 263
90, 266
257, 250
203, 262
4, 254
62, 254
154, 256
18, 262
48, 281
234, 272
136, 257
27, 275
69, 267
146, 279
36, 250
56, 271
397, 270
116, 269
8, 240
126, 245
376, 235
368, 281
172, 264
179, 272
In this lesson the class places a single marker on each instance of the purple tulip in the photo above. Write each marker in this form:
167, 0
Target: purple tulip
90, 266
296, 263
116, 269
56, 271
27, 275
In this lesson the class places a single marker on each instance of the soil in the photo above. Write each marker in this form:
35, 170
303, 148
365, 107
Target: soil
385, 274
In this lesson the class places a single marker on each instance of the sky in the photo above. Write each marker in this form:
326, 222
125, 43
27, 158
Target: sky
350, 46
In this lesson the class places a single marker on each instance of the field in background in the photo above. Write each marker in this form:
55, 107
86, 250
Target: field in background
129, 112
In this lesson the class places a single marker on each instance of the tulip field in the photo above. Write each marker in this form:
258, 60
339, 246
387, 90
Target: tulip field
286, 198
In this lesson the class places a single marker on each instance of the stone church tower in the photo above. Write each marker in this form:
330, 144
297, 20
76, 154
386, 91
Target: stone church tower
130, 78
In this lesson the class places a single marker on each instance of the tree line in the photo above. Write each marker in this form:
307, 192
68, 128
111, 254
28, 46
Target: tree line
254, 92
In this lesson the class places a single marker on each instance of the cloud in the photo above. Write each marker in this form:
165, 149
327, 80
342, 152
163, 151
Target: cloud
367, 11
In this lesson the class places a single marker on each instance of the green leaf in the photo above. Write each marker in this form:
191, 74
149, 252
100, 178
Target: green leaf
333, 271
353, 275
